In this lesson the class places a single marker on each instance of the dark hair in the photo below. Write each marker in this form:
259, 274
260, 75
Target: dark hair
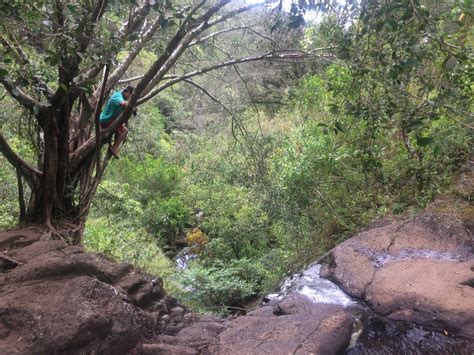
129, 89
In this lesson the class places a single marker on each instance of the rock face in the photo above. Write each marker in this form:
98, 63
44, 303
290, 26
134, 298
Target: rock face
58, 299
293, 325
418, 270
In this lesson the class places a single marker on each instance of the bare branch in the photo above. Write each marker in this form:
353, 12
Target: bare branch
285, 55
235, 121
459, 122
215, 34
20, 96
97, 115
129, 80
233, 13
173, 51
138, 77
125, 64
88, 74
15, 49
31, 174
126, 28
448, 107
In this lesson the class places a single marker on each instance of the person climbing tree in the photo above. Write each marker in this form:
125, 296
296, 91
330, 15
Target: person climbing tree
117, 103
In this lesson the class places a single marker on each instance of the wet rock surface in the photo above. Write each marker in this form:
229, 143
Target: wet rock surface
419, 269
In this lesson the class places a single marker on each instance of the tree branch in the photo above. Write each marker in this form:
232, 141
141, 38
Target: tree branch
97, 115
125, 64
175, 48
233, 13
20, 96
267, 56
214, 34
31, 174
235, 121
129, 80
21, 195
138, 18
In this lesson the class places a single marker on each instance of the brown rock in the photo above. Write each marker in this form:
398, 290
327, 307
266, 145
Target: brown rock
167, 349
60, 299
418, 270
295, 326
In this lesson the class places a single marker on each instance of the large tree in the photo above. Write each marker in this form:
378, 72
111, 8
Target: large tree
60, 59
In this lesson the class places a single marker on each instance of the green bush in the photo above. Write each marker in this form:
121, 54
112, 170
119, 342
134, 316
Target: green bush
166, 219
123, 244
221, 287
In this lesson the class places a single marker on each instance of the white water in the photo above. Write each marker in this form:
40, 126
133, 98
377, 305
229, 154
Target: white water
311, 285
380, 259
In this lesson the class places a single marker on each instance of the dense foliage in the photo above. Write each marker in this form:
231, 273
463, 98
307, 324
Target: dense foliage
381, 128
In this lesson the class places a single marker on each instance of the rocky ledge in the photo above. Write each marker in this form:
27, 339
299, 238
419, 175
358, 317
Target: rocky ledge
58, 299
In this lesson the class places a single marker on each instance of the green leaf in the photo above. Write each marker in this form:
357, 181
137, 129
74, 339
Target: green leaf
424, 141
408, 14
416, 123
338, 126
333, 108
348, 106
3, 72
72, 8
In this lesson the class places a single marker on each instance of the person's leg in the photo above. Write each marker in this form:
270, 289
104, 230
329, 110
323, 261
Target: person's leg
104, 126
120, 135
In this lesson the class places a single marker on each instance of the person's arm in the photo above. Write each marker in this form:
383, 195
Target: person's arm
125, 104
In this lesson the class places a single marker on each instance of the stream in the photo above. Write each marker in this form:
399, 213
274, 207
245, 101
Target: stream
372, 334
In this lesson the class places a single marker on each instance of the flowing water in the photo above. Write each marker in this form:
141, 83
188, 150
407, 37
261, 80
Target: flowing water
183, 258
373, 335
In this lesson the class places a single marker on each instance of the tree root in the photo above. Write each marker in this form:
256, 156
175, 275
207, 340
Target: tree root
67, 232
51, 233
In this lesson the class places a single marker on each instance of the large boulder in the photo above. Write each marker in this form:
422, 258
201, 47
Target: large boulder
294, 325
59, 299
419, 270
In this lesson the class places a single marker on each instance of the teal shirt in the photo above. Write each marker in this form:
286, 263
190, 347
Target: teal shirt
113, 109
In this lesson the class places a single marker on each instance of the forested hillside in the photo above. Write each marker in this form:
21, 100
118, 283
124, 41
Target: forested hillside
298, 125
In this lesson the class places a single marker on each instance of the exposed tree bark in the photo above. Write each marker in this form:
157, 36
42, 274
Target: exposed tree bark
21, 195
31, 174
